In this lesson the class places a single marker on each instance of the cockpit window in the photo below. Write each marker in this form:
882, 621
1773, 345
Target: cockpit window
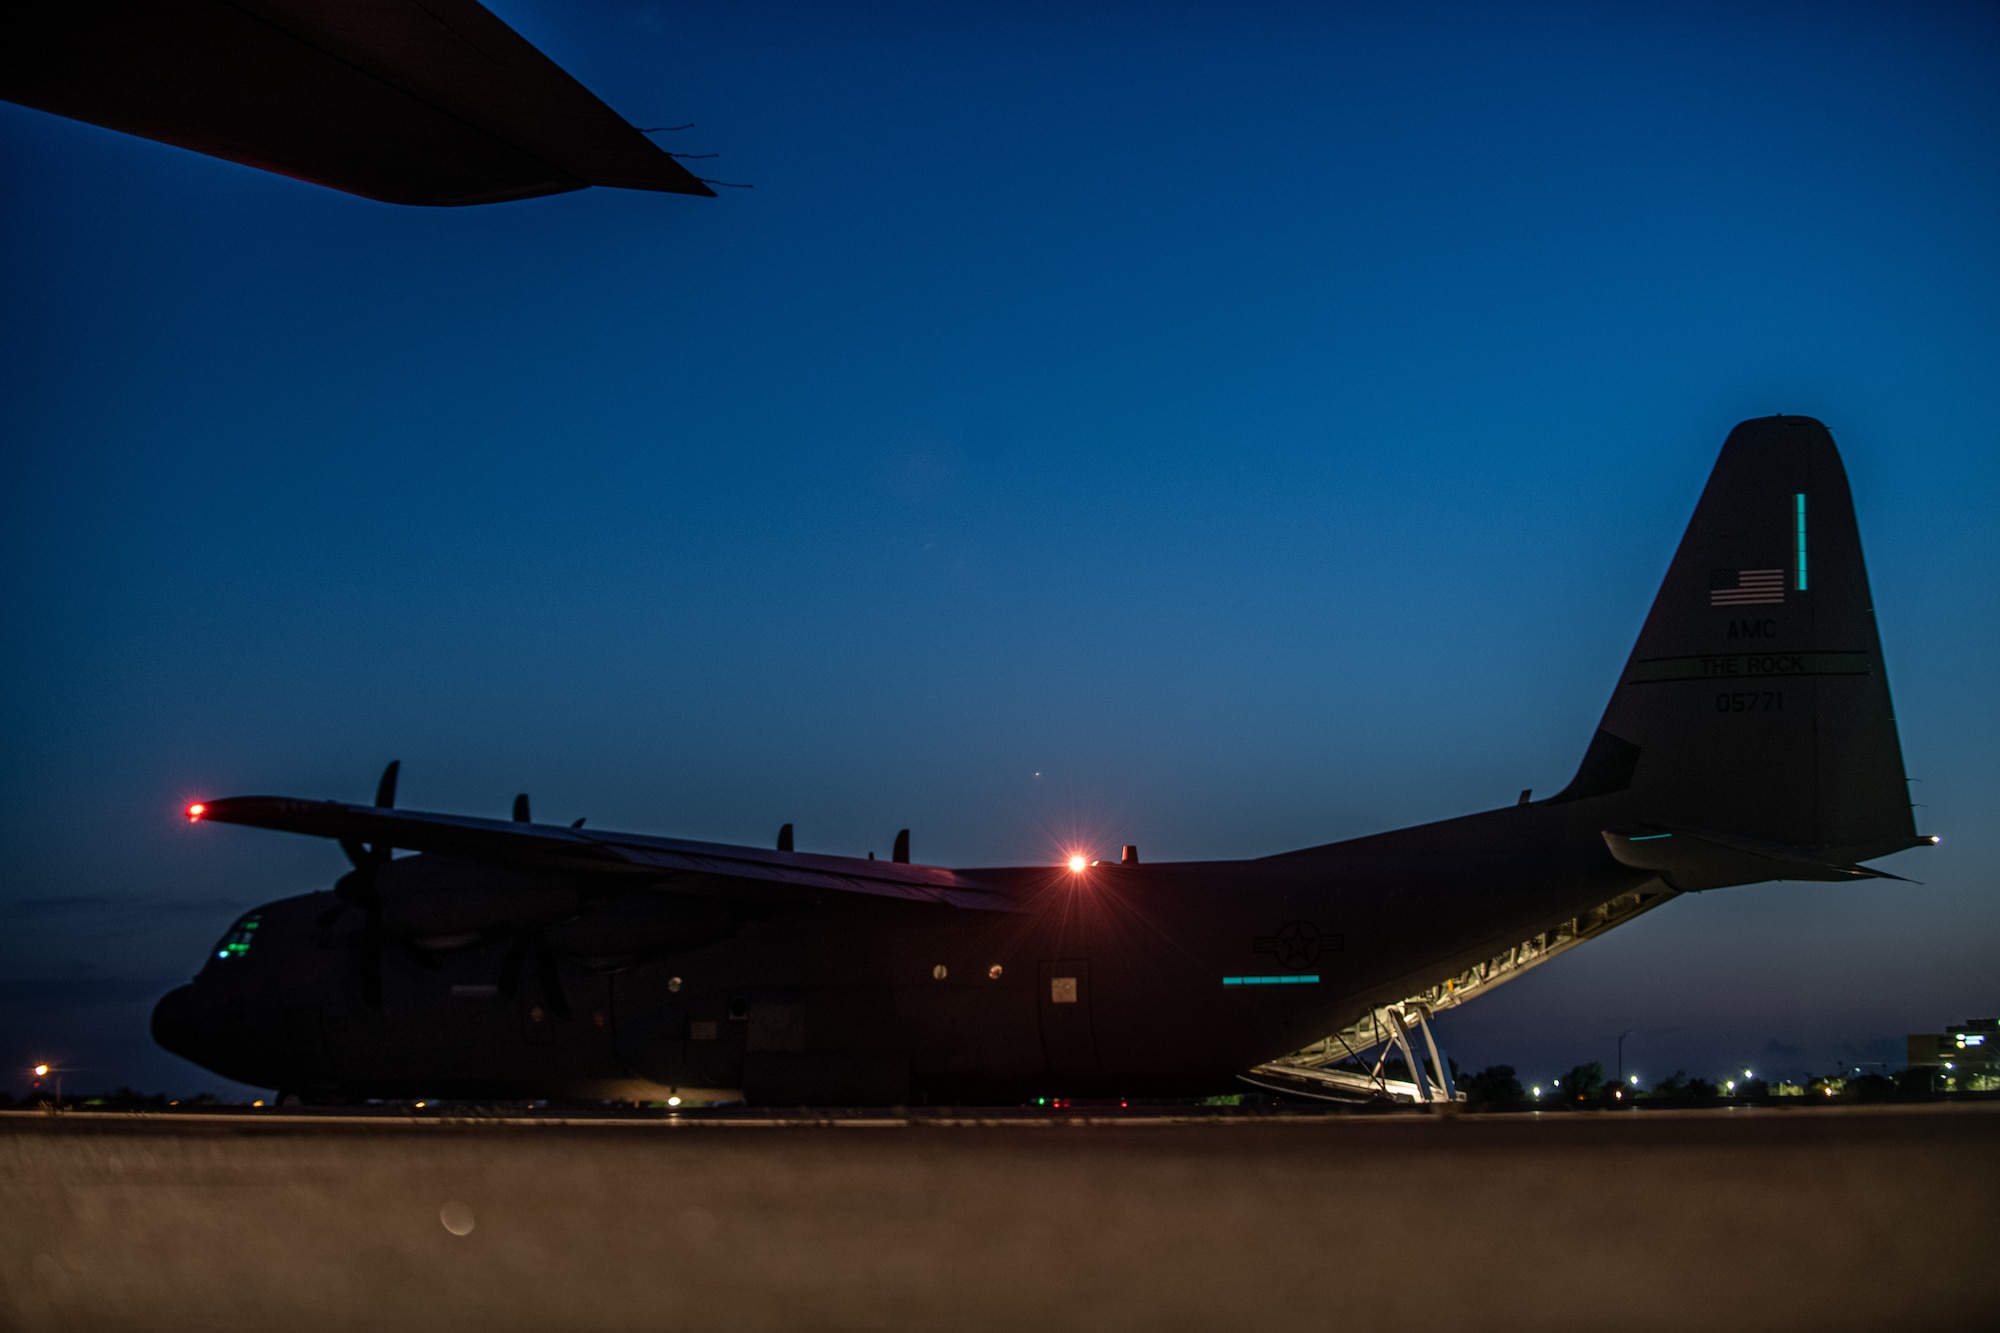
239, 939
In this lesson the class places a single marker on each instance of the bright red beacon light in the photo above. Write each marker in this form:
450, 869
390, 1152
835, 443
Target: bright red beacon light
196, 810
1076, 865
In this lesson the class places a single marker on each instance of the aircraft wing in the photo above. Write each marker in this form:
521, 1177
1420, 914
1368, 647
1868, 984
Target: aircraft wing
406, 101
552, 847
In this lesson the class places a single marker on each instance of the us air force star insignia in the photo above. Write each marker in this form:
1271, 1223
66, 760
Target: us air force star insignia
1296, 945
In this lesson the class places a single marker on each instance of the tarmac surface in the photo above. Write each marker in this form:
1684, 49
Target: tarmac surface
1753, 1218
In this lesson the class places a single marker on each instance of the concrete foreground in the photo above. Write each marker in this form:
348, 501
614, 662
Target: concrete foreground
1821, 1218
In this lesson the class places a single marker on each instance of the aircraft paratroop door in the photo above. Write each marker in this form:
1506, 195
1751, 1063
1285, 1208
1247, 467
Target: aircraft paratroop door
1063, 990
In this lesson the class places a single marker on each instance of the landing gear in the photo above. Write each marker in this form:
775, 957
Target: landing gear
1343, 1081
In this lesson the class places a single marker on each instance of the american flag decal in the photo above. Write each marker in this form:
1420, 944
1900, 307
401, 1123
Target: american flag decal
1746, 587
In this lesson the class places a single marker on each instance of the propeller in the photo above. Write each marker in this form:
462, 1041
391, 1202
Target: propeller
358, 886
546, 976
527, 945
902, 851
785, 838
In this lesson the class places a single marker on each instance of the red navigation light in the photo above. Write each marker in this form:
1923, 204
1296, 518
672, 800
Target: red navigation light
195, 811
1076, 864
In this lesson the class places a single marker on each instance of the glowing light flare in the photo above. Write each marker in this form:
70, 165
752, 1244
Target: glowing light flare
195, 810
41, 1071
1077, 864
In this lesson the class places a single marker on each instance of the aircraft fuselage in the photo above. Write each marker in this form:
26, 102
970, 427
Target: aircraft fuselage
1116, 980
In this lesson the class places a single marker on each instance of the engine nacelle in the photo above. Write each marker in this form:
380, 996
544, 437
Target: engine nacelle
440, 899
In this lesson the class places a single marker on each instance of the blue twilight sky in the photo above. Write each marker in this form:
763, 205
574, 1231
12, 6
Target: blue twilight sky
1267, 423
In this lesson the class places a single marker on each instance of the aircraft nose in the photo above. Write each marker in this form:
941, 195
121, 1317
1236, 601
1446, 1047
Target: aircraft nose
179, 1022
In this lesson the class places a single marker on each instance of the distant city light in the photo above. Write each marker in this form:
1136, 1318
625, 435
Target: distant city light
673, 1101
1635, 1080
41, 1071
1538, 1089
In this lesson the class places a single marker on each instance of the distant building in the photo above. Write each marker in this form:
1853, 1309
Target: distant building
1968, 1056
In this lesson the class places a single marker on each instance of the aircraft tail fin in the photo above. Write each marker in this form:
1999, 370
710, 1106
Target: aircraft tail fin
1755, 704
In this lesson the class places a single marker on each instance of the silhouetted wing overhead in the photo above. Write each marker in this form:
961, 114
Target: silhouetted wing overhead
406, 101
589, 851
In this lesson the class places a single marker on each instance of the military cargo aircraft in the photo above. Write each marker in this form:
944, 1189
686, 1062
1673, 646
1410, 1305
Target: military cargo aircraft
1749, 738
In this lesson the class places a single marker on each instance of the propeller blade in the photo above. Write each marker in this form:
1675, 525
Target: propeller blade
510, 967
385, 797
357, 886
371, 957
902, 851
551, 983
521, 809
785, 838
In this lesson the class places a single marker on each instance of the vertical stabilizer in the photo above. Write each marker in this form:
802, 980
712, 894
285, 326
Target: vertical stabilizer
1756, 702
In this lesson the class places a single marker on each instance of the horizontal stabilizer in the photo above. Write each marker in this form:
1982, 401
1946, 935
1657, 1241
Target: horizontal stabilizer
1692, 861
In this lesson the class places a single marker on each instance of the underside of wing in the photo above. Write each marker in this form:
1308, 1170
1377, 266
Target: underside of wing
406, 101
